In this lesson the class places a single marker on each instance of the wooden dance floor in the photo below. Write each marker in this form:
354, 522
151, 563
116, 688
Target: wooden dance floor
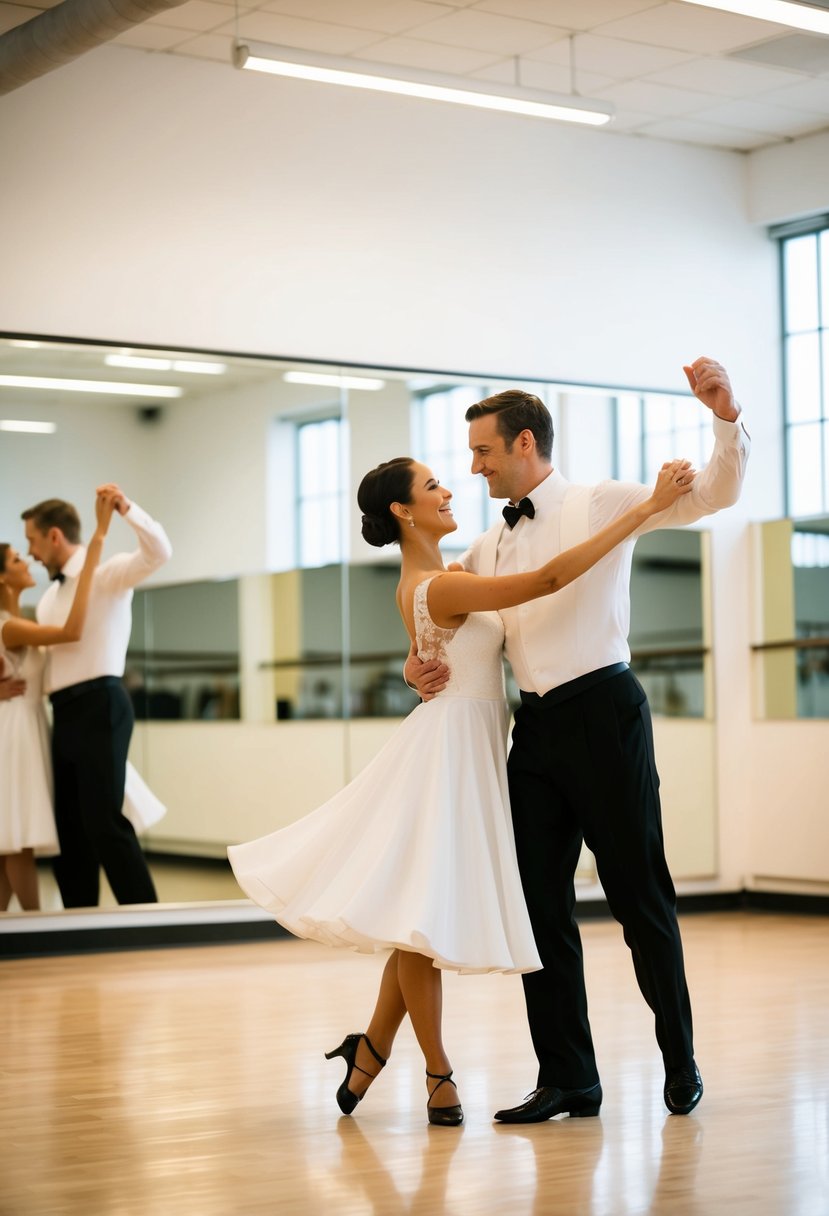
192, 1081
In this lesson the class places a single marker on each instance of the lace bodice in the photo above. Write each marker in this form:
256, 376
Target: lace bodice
25, 663
472, 651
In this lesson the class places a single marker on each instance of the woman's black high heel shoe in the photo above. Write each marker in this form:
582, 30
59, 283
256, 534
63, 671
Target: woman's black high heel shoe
443, 1116
346, 1100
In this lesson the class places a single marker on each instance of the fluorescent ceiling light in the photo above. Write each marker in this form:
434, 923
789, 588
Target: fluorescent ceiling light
146, 363
25, 343
33, 428
203, 369
357, 74
139, 363
782, 12
110, 387
363, 382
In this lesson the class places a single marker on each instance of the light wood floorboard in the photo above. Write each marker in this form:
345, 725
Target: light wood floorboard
192, 1081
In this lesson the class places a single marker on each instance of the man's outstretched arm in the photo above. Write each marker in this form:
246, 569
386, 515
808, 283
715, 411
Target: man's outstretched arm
126, 570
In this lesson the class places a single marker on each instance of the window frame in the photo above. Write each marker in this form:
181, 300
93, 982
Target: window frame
783, 234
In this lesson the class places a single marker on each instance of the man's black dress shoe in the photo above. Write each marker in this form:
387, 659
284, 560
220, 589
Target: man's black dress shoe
548, 1100
683, 1089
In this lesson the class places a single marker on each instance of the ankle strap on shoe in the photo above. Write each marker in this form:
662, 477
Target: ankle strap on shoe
441, 1079
376, 1054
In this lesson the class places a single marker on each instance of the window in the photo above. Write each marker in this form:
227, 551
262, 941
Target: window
653, 428
648, 429
320, 496
442, 442
804, 265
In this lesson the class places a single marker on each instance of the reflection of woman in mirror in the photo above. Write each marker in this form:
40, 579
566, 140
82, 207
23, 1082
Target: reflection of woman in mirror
417, 855
27, 822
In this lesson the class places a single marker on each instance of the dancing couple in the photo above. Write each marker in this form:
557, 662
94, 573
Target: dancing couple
454, 858
64, 794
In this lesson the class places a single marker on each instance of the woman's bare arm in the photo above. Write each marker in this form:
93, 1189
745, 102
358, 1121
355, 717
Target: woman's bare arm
453, 596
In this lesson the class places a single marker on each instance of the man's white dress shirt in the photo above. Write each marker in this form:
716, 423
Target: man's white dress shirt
584, 626
102, 649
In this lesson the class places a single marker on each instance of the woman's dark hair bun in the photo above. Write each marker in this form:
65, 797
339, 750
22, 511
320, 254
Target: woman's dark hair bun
388, 483
378, 531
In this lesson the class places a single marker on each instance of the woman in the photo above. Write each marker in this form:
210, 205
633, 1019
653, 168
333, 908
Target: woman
27, 822
416, 855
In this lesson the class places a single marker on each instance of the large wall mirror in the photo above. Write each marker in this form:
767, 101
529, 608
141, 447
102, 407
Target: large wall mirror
265, 660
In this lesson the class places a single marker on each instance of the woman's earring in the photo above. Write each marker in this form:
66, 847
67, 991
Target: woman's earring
411, 523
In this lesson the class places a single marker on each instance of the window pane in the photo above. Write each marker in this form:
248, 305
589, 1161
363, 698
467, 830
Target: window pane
689, 445
319, 494
689, 413
810, 550
308, 458
628, 437
824, 277
466, 507
803, 378
658, 449
320, 531
443, 444
673, 427
800, 283
658, 414
433, 434
319, 457
329, 456
311, 533
806, 494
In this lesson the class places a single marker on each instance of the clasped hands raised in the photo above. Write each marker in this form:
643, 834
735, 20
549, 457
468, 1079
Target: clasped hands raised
109, 498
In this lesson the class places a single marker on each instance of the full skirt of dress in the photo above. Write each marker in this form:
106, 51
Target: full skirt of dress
416, 853
27, 819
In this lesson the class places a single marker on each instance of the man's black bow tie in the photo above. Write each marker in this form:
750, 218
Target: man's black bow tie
60, 577
513, 514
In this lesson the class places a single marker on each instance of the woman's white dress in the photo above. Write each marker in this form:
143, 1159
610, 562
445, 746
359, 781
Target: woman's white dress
417, 852
27, 820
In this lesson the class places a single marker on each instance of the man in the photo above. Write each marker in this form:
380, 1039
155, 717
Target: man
581, 766
92, 713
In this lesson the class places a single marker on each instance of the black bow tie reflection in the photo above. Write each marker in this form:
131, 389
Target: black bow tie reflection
513, 514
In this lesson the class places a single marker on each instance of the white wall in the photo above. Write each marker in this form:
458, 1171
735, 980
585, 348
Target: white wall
789, 181
152, 198
147, 198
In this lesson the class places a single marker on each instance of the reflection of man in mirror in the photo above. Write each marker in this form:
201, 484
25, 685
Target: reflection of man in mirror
581, 766
92, 714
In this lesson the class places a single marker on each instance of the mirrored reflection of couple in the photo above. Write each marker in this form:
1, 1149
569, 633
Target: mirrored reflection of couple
420, 854
64, 796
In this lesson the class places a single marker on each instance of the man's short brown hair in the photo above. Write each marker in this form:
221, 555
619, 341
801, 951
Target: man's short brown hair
55, 513
516, 411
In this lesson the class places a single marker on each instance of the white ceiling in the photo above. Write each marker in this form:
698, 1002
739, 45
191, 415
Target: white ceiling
673, 70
